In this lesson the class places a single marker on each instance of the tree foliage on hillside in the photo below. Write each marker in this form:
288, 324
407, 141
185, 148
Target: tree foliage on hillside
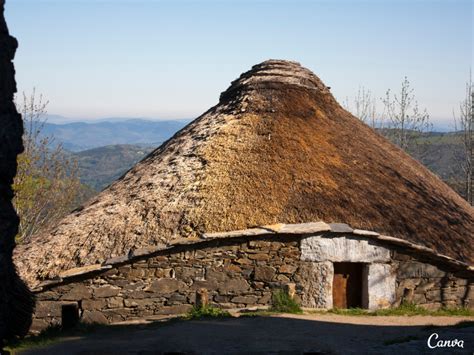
464, 123
47, 184
401, 120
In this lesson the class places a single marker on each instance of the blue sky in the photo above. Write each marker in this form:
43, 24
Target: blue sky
171, 59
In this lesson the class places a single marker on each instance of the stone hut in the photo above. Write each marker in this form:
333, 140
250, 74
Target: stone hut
277, 186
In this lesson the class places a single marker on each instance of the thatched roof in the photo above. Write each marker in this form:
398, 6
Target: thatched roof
277, 148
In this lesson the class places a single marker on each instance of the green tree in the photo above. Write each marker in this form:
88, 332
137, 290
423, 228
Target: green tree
47, 184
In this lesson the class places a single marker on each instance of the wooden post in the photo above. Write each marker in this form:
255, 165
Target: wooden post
202, 298
290, 289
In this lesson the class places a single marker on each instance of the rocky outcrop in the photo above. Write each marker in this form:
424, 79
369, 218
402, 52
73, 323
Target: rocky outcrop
15, 304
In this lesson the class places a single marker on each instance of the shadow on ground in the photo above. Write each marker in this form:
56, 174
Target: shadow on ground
274, 335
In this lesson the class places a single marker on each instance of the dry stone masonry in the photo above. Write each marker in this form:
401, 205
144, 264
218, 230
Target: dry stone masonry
243, 268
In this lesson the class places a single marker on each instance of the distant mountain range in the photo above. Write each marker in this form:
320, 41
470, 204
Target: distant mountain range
99, 167
107, 148
80, 136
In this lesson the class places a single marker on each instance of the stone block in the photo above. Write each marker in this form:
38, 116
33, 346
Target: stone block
234, 286
266, 298
115, 302
283, 278
342, 249
176, 297
77, 293
381, 286
178, 309
221, 299
450, 294
217, 275
409, 283
244, 261
37, 325
139, 294
94, 317
207, 284
46, 309
419, 298
106, 291
95, 304
259, 257
232, 269
136, 273
188, 273
166, 286
287, 269
433, 295
48, 296
264, 273
133, 286
245, 299
316, 279
425, 286
117, 314
415, 269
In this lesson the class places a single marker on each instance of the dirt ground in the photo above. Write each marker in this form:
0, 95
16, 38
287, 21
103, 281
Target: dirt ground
282, 334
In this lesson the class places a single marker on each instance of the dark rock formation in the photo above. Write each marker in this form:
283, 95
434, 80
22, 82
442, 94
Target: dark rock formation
16, 305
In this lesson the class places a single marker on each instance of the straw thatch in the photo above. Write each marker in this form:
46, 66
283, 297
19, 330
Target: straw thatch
277, 148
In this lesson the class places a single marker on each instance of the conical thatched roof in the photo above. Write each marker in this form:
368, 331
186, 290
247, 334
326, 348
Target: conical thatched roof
277, 148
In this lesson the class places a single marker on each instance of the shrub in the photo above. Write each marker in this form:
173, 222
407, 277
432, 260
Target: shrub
282, 302
207, 312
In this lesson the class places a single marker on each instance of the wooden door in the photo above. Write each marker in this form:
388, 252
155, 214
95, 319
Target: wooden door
347, 285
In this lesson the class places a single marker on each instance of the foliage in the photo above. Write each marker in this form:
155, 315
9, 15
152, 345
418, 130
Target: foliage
282, 302
464, 122
405, 120
405, 309
207, 312
47, 184
101, 166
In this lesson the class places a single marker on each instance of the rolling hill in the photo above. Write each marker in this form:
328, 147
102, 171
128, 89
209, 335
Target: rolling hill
440, 152
80, 136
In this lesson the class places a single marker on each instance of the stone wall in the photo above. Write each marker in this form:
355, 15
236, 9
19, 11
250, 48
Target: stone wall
236, 274
243, 272
431, 286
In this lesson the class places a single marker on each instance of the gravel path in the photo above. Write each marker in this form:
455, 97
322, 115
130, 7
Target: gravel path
284, 334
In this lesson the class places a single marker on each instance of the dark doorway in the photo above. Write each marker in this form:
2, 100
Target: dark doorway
69, 315
347, 285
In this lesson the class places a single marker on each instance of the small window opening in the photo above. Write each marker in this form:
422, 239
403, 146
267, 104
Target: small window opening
69, 315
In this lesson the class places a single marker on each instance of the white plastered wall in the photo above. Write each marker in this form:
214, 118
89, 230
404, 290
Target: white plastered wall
320, 251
